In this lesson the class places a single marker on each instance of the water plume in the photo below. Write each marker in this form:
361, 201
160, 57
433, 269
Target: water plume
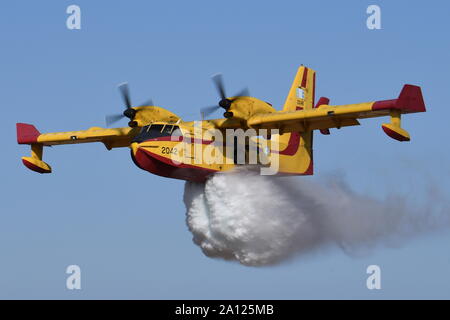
263, 220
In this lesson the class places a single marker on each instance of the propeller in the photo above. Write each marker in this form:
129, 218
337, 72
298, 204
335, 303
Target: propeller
224, 102
129, 111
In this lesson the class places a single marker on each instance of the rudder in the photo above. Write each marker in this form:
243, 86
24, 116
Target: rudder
297, 155
302, 93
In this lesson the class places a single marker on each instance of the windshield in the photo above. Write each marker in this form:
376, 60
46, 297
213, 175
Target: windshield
155, 131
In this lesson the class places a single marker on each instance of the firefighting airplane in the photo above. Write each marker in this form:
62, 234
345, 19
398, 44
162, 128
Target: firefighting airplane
149, 132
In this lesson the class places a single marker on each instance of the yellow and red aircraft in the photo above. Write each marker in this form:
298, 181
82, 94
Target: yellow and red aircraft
149, 134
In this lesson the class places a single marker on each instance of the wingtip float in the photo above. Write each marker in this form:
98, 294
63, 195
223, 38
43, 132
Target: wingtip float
28, 134
150, 128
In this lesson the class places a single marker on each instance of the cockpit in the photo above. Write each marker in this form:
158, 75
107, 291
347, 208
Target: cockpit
156, 131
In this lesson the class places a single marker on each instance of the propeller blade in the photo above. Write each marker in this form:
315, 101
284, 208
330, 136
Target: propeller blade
243, 93
123, 87
209, 110
147, 103
218, 81
224, 102
113, 118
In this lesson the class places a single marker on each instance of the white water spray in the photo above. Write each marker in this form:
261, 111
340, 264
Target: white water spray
262, 220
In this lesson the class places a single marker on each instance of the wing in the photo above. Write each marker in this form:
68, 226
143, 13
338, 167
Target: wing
325, 116
112, 138
28, 134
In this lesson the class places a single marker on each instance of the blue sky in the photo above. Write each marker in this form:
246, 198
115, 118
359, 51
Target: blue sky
126, 228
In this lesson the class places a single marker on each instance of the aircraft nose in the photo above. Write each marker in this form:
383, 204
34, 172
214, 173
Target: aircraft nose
136, 156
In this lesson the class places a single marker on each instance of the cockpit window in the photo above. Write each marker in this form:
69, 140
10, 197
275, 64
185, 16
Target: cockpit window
167, 130
155, 131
